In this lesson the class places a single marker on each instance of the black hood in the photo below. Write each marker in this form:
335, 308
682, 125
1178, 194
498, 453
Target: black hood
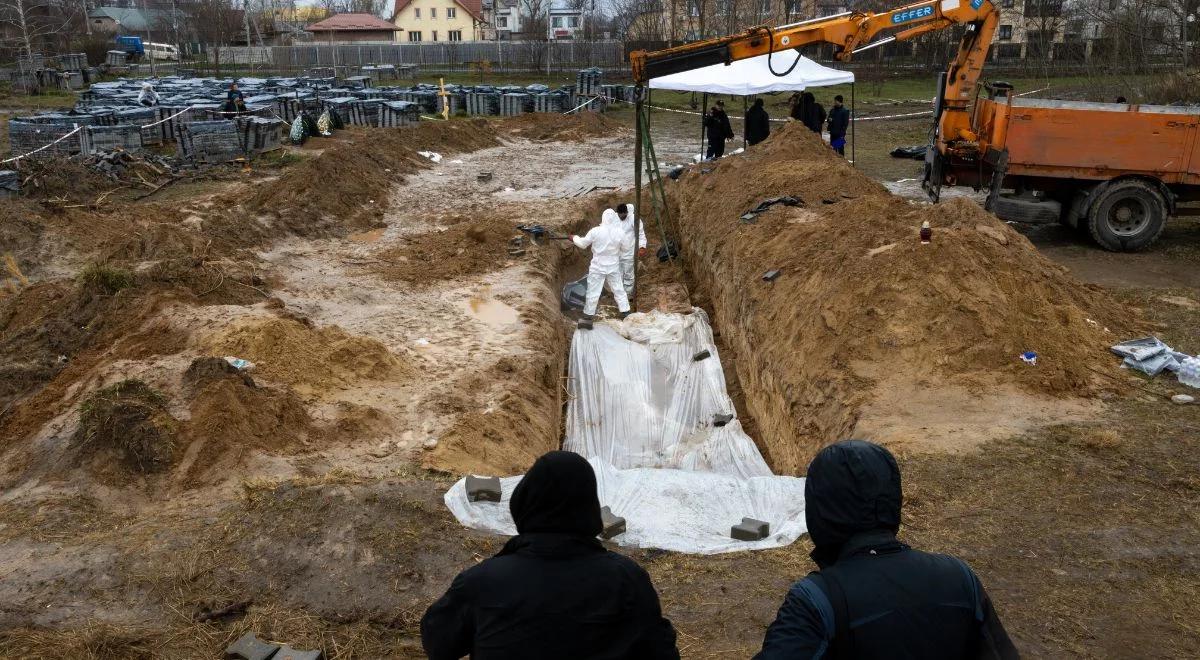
557, 495
851, 487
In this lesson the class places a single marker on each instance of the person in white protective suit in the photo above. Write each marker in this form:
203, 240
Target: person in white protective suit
608, 242
625, 213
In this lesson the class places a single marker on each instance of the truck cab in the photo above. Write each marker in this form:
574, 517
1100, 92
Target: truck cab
132, 45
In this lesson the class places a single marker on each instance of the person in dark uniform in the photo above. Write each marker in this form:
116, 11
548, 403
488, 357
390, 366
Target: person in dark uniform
812, 113
553, 591
875, 597
758, 123
716, 123
839, 121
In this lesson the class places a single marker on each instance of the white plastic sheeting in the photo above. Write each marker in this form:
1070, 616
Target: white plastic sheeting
638, 399
754, 76
641, 411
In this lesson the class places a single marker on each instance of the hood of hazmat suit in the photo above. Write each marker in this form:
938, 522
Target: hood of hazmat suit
627, 225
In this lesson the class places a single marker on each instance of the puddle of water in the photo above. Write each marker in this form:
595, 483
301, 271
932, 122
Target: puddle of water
493, 313
368, 236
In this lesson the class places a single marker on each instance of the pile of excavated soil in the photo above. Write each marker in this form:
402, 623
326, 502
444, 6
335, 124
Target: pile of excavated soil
228, 414
127, 422
345, 189
311, 360
861, 304
460, 250
556, 127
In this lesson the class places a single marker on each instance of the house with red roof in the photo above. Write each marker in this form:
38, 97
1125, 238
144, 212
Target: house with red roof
436, 21
352, 27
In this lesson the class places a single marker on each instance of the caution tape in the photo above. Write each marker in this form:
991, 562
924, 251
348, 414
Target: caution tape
47, 146
588, 102
167, 119
697, 114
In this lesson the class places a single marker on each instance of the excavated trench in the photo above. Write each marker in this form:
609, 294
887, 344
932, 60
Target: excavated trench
665, 286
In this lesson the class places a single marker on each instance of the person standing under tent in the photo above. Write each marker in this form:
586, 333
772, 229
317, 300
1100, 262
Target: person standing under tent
630, 253
839, 121
758, 123
608, 242
811, 112
716, 122
796, 106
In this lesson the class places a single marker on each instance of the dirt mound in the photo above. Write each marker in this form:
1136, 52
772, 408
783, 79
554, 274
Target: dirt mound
128, 419
460, 250
555, 127
345, 188
310, 360
861, 304
64, 179
204, 370
229, 414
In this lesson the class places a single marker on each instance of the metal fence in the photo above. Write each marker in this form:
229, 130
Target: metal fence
446, 56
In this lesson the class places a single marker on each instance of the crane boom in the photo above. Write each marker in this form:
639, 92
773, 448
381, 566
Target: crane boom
853, 32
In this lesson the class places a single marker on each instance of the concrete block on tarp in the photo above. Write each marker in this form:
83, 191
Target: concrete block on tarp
750, 530
614, 525
483, 489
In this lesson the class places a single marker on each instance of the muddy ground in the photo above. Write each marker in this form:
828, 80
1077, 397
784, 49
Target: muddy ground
399, 346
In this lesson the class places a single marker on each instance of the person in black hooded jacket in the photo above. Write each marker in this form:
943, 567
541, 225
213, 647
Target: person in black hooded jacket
757, 123
553, 591
875, 597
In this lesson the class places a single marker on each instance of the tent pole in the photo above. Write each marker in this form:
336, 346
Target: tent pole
853, 157
744, 145
703, 114
649, 106
637, 185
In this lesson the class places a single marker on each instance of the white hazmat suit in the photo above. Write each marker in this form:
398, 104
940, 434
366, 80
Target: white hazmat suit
608, 242
628, 255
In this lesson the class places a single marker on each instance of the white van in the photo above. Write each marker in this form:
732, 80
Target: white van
161, 51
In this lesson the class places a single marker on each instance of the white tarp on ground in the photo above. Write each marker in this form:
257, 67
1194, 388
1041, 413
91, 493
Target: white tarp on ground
753, 76
641, 411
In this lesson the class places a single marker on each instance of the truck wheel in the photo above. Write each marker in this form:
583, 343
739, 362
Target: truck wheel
1027, 209
1128, 216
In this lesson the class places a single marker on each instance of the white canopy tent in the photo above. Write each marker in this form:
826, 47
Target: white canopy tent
757, 75
754, 76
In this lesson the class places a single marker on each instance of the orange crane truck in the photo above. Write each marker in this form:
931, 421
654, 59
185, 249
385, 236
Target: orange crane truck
1117, 169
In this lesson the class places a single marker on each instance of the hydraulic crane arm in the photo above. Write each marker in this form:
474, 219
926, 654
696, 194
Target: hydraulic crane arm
850, 32
854, 32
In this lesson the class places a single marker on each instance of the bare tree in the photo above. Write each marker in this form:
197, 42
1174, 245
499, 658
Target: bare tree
373, 7
217, 21
535, 24
640, 20
33, 23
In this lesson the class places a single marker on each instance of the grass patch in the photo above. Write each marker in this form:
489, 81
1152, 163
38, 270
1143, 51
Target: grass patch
105, 278
130, 418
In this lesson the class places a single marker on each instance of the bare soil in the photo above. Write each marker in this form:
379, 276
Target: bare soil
397, 345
